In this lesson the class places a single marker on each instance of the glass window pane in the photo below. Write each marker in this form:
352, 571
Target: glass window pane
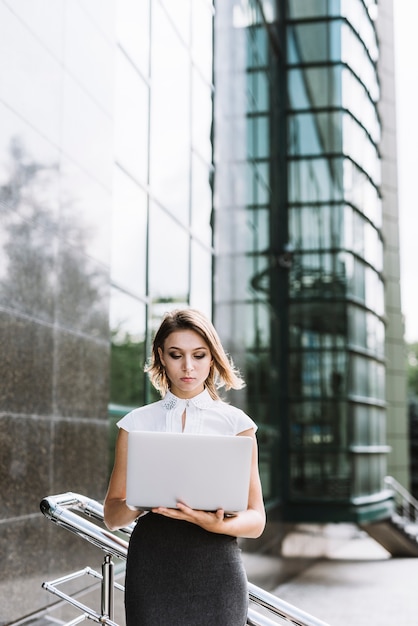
201, 117
297, 9
127, 327
132, 29
129, 234
179, 12
201, 200
315, 41
315, 180
131, 120
310, 133
314, 87
201, 278
170, 117
202, 26
168, 259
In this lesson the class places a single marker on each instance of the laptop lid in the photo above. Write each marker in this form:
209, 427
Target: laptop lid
206, 472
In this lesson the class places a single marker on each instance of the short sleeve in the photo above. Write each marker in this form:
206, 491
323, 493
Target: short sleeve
126, 422
244, 422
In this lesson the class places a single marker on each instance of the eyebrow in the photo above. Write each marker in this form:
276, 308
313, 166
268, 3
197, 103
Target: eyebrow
181, 349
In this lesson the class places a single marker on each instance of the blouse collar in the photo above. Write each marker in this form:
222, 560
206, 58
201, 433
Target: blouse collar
202, 401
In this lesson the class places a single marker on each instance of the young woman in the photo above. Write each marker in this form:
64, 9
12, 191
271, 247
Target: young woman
184, 566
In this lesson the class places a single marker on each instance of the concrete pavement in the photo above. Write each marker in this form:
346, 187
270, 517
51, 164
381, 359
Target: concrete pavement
349, 579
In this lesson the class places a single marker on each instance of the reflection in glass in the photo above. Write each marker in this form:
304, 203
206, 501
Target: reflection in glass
170, 118
131, 119
129, 233
201, 278
169, 255
133, 31
48, 272
127, 324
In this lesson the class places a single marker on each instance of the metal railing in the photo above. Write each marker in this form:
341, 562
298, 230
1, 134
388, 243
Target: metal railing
71, 510
405, 503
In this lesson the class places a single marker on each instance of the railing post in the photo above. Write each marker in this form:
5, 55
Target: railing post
107, 587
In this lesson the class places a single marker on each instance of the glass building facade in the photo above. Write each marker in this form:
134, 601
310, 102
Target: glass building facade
336, 421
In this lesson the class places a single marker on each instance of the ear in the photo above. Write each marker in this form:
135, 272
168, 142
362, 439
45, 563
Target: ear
160, 353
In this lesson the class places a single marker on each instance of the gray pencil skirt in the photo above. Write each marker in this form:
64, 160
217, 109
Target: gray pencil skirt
178, 574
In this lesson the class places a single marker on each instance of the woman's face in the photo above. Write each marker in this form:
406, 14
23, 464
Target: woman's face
187, 360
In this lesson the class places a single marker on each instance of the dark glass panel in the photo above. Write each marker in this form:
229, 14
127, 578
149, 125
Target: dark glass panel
257, 48
368, 470
319, 476
299, 9
319, 275
316, 180
314, 87
368, 425
258, 91
366, 378
315, 133
365, 330
314, 42
316, 324
258, 137
317, 373
317, 227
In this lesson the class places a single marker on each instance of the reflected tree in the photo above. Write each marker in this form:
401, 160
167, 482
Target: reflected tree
28, 265
127, 381
45, 271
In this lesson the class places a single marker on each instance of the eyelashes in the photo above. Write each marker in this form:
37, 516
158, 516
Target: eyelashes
176, 356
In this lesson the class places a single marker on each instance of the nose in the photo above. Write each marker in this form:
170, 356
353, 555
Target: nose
187, 365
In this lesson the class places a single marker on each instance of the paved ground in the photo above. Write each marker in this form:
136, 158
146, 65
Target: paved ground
356, 584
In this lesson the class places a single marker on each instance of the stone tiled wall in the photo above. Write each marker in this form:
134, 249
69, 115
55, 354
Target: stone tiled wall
56, 159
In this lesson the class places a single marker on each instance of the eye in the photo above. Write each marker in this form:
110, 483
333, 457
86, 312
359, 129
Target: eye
200, 356
174, 355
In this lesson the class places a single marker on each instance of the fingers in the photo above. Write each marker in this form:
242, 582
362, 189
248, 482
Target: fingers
183, 512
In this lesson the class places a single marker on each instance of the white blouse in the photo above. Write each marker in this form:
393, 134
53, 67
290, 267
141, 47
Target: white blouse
203, 415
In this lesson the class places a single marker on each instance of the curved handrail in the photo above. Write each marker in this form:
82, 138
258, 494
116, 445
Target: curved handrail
61, 509
64, 509
283, 609
406, 504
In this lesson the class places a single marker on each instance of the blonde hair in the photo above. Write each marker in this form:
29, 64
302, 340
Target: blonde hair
223, 372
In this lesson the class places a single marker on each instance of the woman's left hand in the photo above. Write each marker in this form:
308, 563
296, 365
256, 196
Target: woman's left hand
207, 520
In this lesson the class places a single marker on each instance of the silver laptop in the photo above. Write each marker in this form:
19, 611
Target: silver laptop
206, 472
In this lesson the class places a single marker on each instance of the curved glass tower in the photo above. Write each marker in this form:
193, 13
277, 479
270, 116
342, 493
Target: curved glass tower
299, 247
336, 389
